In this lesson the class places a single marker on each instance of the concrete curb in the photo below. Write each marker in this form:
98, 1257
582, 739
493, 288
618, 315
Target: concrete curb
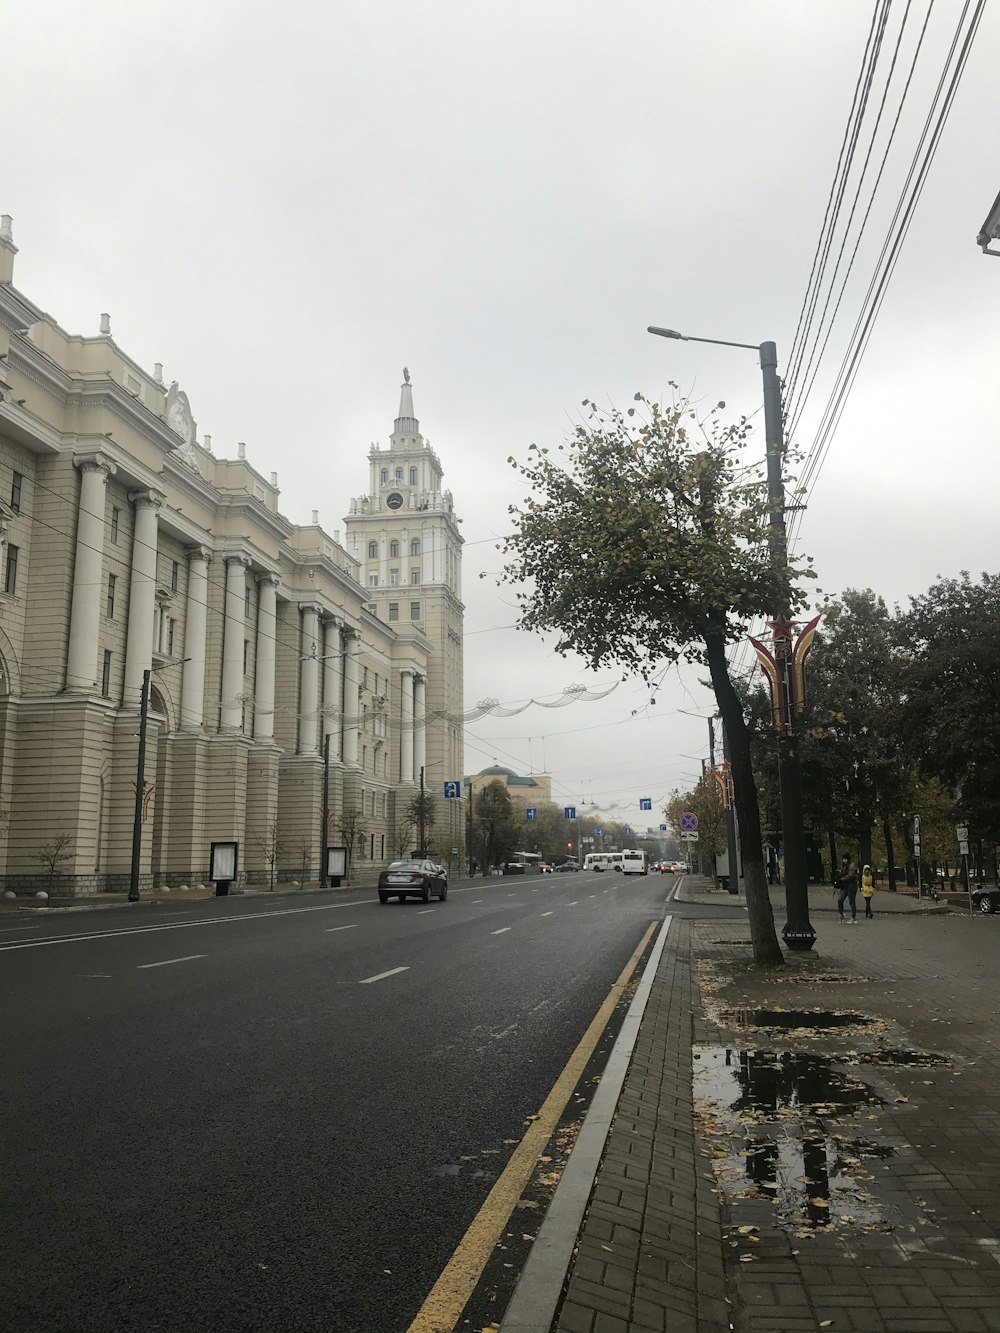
533, 1306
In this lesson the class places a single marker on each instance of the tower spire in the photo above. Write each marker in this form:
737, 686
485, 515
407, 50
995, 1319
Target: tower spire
406, 423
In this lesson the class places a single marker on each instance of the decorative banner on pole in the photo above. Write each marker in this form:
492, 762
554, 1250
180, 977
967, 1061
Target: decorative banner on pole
785, 668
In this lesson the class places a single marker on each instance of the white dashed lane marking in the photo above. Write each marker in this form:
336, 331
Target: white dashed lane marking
381, 976
501, 931
167, 961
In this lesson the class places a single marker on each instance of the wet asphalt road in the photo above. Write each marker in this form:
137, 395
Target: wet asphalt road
225, 1122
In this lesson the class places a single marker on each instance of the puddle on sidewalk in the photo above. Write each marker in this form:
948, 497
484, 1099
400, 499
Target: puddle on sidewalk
798, 1021
789, 1137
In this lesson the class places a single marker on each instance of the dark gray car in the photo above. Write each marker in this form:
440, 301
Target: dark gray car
413, 879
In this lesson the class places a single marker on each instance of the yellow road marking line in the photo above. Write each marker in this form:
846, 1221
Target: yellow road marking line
450, 1294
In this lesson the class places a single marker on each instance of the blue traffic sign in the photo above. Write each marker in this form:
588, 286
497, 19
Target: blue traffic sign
627, 829
663, 828
598, 833
531, 812
645, 803
689, 821
452, 789
569, 812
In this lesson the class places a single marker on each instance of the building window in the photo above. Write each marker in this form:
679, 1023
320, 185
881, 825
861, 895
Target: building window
115, 517
10, 575
112, 584
414, 610
393, 610
15, 492
373, 550
174, 575
371, 609
394, 550
415, 546
415, 576
413, 476
364, 765
373, 580
385, 475
393, 578
106, 674
171, 633
399, 474
246, 602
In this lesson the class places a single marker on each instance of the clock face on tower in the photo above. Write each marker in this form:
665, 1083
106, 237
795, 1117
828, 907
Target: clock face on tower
394, 500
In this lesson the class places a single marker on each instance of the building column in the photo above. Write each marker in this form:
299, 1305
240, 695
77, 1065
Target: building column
142, 594
406, 726
352, 711
267, 628
419, 723
195, 632
88, 568
231, 715
331, 686
309, 665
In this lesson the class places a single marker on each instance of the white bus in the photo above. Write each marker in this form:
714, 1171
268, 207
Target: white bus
598, 861
633, 863
602, 861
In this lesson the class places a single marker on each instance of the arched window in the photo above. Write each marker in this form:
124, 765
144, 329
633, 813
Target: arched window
415, 546
413, 476
385, 475
394, 549
373, 550
399, 474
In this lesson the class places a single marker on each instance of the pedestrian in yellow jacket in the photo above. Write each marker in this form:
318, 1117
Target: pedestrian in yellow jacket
867, 890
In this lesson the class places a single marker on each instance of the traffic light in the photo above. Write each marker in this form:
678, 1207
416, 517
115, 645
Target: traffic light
570, 846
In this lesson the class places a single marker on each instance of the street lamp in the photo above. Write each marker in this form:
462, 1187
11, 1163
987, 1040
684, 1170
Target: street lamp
798, 932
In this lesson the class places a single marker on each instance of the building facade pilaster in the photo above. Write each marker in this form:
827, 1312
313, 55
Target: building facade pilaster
231, 712
195, 637
406, 726
352, 710
142, 594
332, 653
267, 626
88, 568
309, 664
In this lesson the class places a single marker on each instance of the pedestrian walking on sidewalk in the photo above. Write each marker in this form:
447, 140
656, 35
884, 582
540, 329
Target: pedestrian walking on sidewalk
846, 885
867, 890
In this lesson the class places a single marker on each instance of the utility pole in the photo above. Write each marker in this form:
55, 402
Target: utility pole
140, 790
798, 932
423, 816
324, 842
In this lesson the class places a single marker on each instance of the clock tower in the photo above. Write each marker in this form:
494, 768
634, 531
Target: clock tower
405, 536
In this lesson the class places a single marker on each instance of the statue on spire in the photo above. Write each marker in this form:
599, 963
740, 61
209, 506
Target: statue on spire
406, 375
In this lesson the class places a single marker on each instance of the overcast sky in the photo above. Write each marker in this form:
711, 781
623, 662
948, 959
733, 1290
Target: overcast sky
287, 203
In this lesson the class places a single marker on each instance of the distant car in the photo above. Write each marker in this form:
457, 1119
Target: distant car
413, 879
986, 900
567, 865
545, 868
513, 868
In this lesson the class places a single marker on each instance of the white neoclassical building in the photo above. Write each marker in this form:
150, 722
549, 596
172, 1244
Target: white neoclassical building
127, 545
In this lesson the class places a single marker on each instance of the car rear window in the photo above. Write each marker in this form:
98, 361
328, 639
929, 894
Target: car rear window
407, 865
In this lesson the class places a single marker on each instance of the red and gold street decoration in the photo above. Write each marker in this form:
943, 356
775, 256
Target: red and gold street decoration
724, 777
785, 668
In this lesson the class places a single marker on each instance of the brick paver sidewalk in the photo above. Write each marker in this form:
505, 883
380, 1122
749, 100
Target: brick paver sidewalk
844, 1177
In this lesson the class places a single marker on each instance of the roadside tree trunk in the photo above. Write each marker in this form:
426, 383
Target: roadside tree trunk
763, 937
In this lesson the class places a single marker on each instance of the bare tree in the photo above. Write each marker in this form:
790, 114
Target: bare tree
303, 844
351, 825
270, 847
53, 854
402, 838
